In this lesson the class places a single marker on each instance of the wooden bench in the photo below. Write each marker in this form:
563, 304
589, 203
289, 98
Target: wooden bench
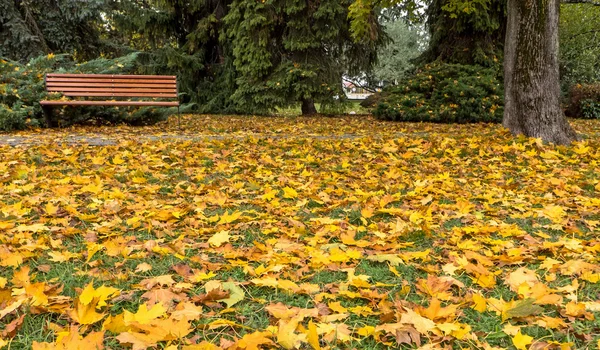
109, 87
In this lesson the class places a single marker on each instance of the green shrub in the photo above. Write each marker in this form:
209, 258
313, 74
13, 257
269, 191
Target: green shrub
445, 93
22, 87
584, 101
590, 109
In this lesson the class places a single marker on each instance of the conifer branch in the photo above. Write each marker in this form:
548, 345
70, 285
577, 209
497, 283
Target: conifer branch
589, 2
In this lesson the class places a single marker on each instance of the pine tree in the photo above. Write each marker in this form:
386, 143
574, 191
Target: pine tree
290, 51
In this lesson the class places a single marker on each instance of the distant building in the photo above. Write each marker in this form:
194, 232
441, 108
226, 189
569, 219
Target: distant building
354, 92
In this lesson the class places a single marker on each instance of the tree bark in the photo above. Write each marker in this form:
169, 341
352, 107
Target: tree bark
531, 78
308, 106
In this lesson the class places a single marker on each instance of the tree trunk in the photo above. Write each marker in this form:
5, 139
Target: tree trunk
308, 106
531, 78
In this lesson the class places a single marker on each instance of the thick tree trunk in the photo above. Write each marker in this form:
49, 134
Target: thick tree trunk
308, 106
531, 78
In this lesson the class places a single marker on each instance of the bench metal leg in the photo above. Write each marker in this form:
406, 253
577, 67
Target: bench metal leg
48, 116
178, 118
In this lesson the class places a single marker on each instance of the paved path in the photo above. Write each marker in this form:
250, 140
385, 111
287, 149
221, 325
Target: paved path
111, 140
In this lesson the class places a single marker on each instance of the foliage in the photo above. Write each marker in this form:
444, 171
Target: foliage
297, 233
183, 39
364, 16
590, 109
466, 31
460, 31
445, 93
32, 28
22, 87
287, 51
579, 44
395, 59
584, 101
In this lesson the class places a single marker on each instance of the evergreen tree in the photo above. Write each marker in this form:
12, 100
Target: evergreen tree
466, 31
31, 28
182, 38
395, 60
290, 51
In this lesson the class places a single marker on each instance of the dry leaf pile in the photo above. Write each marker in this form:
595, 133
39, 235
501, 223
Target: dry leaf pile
253, 233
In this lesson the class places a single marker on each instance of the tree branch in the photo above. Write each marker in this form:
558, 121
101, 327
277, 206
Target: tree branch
359, 85
584, 33
589, 2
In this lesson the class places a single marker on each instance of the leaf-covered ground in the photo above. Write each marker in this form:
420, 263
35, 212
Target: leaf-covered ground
298, 233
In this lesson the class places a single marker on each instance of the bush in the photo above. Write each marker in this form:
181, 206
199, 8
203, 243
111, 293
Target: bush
584, 101
445, 93
22, 87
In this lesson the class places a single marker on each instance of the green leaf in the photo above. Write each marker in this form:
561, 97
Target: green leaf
236, 294
524, 308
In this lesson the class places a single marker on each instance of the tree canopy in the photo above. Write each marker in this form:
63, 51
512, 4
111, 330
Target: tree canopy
288, 50
579, 44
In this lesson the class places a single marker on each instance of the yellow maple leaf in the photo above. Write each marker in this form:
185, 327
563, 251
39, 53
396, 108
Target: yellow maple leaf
97, 296
51, 209
143, 267
289, 193
71, 339
286, 333
85, 313
115, 324
392, 259
521, 340
479, 303
144, 315
422, 325
312, 336
253, 341
117, 160
269, 194
33, 228
219, 238
521, 276
229, 218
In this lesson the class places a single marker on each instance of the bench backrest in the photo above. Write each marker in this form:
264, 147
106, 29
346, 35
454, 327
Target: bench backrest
157, 86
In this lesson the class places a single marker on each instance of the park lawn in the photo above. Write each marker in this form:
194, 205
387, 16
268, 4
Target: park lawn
331, 233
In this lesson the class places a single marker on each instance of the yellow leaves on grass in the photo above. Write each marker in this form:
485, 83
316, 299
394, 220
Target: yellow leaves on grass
72, 340
317, 234
89, 301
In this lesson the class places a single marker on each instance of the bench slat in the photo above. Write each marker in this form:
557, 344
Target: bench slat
120, 94
112, 84
57, 75
108, 80
111, 90
110, 103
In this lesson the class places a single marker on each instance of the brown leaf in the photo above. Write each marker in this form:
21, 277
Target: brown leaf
44, 268
11, 329
209, 298
164, 296
183, 270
